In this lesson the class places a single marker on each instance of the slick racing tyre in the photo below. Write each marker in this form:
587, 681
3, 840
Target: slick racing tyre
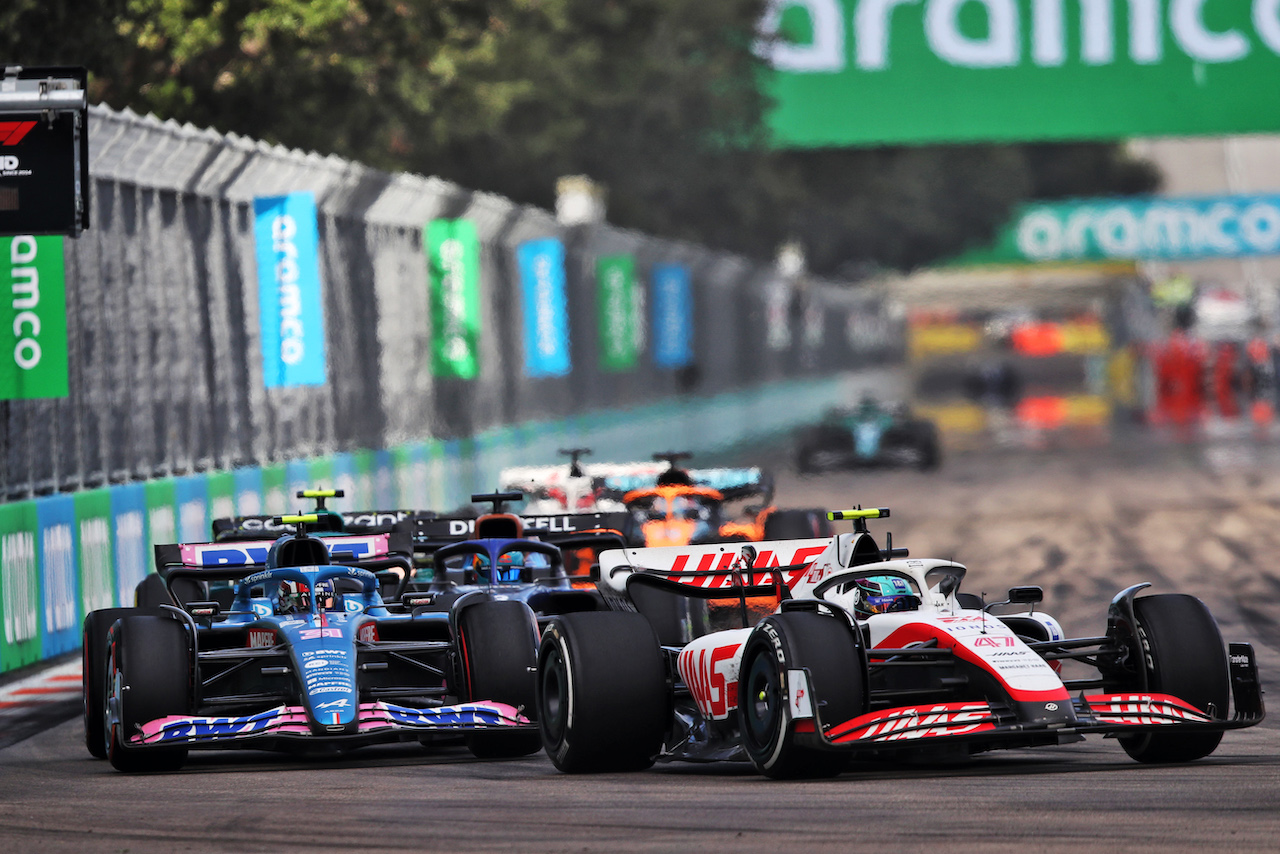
93, 674
676, 619
498, 650
1184, 656
151, 592
603, 700
148, 676
796, 640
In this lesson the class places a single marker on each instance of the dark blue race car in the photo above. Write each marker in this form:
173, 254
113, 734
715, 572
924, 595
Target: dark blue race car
308, 654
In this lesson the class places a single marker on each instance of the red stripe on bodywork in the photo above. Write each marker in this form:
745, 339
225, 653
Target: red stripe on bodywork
921, 632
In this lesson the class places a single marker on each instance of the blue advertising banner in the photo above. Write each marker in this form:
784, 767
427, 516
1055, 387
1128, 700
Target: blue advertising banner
192, 495
59, 576
248, 488
132, 545
672, 316
546, 319
287, 241
345, 478
384, 480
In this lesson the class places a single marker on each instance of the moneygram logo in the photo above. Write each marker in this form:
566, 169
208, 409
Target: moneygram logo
11, 133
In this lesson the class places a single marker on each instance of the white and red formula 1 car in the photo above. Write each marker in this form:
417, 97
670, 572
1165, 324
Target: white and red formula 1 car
868, 653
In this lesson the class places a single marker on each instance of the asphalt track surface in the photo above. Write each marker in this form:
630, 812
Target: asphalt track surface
1197, 518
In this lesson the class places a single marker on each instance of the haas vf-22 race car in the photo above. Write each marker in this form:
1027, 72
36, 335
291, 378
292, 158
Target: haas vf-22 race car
871, 653
308, 654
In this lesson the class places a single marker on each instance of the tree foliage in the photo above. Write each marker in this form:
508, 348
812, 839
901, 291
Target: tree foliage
655, 99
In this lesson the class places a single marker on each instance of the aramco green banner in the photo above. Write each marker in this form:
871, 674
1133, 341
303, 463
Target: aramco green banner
1138, 228
453, 256
33, 323
619, 343
872, 72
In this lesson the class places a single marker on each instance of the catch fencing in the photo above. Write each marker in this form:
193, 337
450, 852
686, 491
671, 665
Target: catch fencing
165, 354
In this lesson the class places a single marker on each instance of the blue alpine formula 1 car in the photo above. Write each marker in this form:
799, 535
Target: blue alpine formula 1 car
308, 654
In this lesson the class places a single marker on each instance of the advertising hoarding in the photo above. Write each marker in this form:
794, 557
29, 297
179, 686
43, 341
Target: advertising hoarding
1138, 228
287, 239
33, 318
453, 265
546, 317
875, 72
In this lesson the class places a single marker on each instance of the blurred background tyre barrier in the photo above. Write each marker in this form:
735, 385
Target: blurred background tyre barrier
173, 416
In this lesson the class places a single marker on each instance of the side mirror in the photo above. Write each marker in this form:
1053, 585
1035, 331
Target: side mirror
417, 600
205, 610
1025, 595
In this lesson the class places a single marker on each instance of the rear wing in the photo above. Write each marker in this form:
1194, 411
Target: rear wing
711, 571
732, 483
346, 549
533, 479
568, 530
257, 527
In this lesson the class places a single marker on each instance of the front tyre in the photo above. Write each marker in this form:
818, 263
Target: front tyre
603, 700
1183, 653
796, 640
93, 678
498, 645
148, 676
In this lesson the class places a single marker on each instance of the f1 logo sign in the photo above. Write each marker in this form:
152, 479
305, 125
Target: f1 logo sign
11, 133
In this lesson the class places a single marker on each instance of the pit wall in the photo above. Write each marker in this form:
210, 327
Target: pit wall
67, 554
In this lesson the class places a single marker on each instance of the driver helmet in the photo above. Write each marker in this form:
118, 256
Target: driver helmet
327, 596
510, 566
294, 597
883, 594
683, 507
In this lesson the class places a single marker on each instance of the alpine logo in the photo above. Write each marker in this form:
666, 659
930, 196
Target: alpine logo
11, 133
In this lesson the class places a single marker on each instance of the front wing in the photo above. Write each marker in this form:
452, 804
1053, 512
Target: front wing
982, 721
376, 722
975, 721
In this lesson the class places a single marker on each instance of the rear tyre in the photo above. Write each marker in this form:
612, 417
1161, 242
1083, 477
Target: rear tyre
797, 640
1183, 653
151, 592
675, 619
148, 676
498, 642
603, 700
93, 675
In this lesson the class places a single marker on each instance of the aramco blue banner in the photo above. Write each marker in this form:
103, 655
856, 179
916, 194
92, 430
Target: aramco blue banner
292, 317
546, 318
672, 316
